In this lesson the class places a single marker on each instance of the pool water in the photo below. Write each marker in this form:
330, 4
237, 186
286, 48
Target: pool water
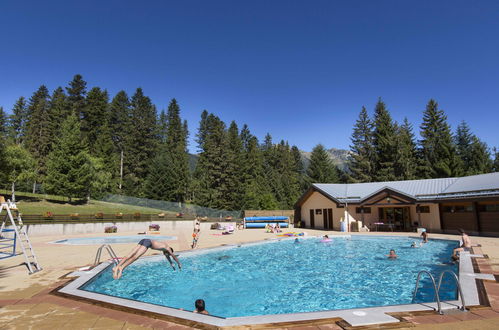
288, 277
112, 239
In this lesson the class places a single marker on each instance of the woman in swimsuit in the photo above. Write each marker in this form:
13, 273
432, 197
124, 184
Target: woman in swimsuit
139, 250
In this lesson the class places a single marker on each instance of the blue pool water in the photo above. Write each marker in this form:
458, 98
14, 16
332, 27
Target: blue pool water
112, 239
287, 277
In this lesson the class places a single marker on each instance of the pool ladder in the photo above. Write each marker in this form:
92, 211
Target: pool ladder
437, 288
109, 250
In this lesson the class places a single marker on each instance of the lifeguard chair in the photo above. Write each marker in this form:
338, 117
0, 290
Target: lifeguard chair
16, 233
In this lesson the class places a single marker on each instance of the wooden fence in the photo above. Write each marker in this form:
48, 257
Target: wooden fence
89, 218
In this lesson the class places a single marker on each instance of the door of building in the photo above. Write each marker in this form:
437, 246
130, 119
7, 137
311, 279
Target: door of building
327, 215
312, 219
395, 218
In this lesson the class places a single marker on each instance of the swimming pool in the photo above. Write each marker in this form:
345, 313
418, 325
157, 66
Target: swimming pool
285, 277
112, 239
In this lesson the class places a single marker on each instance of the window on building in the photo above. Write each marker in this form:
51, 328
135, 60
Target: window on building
457, 208
423, 209
366, 210
488, 208
318, 211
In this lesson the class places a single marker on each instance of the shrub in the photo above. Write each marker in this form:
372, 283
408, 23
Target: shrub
119, 215
99, 215
48, 215
136, 215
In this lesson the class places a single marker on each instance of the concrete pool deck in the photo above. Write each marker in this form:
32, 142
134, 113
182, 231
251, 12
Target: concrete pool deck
26, 301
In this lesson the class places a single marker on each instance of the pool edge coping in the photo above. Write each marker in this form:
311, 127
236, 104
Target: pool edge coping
355, 317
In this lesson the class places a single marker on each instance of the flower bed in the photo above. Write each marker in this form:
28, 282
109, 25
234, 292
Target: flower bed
111, 229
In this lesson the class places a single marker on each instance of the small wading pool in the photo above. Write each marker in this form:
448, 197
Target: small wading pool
112, 239
283, 277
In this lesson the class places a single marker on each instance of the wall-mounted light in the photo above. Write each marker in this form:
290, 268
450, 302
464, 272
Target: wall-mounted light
388, 200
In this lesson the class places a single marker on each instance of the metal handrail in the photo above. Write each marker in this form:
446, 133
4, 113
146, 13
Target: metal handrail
434, 286
460, 292
110, 250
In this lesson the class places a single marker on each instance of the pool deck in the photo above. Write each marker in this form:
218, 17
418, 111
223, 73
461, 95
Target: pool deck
27, 301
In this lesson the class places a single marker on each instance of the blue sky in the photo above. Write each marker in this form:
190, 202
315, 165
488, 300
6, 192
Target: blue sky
300, 70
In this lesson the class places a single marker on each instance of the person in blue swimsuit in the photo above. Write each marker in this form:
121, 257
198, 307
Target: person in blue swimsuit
140, 249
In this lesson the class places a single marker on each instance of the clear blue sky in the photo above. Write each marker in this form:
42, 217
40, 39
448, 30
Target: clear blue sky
300, 70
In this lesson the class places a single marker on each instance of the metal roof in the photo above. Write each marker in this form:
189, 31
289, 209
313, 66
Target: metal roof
417, 189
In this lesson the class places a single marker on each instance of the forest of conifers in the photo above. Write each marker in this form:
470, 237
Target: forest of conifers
80, 143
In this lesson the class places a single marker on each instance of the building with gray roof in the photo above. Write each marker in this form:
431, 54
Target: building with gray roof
438, 205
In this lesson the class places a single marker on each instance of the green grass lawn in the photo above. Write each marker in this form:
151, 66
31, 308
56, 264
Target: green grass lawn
40, 207
29, 203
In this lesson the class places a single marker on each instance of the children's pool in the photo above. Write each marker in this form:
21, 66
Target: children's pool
112, 239
287, 277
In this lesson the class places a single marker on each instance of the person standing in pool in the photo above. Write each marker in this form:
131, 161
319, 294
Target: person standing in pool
424, 235
392, 254
140, 249
200, 307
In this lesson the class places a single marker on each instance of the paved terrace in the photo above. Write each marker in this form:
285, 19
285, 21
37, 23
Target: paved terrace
26, 301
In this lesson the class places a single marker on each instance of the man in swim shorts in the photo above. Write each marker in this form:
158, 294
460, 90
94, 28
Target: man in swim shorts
465, 243
140, 249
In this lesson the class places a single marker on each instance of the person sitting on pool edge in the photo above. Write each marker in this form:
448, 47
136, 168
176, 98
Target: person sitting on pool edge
200, 307
465, 243
392, 254
140, 249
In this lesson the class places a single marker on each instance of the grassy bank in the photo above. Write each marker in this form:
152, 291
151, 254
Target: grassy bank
92, 207
29, 203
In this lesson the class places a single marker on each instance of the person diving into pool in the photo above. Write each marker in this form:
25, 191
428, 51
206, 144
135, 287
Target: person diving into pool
140, 249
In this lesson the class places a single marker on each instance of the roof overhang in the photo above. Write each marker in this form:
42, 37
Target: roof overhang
309, 193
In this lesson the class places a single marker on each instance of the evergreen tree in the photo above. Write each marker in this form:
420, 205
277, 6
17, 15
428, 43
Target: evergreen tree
321, 168
288, 178
162, 126
59, 110
141, 144
3, 124
69, 171
496, 160
17, 121
39, 134
76, 95
233, 190
406, 162
361, 163
209, 174
170, 168
120, 127
384, 143
94, 116
245, 137
299, 168
480, 158
437, 151
463, 140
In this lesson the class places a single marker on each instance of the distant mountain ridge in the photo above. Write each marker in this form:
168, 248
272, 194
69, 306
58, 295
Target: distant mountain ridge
339, 157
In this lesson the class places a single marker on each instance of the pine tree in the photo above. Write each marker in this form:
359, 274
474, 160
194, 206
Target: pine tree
94, 116
69, 170
321, 168
120, 127
361, 163
141, 143
496, 160
233, 191
437, 151
76, 95
480, 158
3, 124
384, 143
39, 134
17, 121
170, 168
406, 162
463, 140
289, 179
210, 173
299, 168
59, 110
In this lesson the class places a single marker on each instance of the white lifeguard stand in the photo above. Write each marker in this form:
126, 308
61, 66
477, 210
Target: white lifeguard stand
20, 234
